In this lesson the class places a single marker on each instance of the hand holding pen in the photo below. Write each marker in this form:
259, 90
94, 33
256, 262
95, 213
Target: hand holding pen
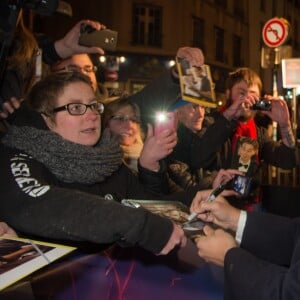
212, 196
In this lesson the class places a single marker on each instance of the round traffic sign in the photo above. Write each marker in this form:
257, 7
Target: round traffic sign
275, 32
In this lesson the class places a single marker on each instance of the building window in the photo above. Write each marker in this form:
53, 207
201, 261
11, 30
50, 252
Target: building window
198, 33
222, 3
261, 41
219, 44
238, 10
263, 5
147, 25
237, 50
296, 35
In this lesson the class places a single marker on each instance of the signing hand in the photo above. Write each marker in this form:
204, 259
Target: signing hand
218, 211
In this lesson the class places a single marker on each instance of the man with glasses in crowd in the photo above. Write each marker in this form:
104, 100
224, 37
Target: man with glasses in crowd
81, 63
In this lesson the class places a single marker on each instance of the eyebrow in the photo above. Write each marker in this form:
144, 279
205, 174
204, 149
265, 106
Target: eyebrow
78, 66
242, 90
81, 100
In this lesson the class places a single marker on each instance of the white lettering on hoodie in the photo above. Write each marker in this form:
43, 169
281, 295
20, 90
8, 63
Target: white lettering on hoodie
21, 172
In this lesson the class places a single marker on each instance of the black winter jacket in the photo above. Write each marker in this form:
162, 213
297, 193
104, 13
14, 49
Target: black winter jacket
35, 202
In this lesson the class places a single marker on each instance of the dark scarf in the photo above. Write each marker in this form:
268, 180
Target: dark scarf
68, 161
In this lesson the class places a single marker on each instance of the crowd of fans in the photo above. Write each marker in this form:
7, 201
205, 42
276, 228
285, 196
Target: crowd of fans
70, 154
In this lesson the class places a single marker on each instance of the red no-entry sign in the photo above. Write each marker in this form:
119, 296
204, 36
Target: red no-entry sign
275, 32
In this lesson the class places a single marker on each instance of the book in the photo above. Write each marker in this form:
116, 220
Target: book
20, 257
196, 83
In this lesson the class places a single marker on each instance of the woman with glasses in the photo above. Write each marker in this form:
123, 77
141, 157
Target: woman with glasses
122, 117
62, 178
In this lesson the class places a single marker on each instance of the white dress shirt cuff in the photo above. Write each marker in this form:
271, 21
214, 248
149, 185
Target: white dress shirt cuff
241, 226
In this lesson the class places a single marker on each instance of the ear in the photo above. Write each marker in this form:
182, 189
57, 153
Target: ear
48, 121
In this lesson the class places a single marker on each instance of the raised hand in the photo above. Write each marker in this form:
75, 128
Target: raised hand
69, 45
193, 55
157, 147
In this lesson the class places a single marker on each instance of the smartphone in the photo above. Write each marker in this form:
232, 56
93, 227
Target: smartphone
105, 39
165, 120
242, 185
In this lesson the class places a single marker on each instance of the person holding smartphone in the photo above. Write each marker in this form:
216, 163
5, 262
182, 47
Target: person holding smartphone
122, 117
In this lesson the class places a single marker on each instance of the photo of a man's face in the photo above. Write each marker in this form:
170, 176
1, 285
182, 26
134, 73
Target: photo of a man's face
246, 152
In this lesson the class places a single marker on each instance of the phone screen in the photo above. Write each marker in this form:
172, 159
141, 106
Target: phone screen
242, 185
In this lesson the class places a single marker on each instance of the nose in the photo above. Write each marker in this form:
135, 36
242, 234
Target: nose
90, 113
128, 123
200, 111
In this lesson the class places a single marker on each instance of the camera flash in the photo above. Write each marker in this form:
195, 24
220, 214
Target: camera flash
161, 117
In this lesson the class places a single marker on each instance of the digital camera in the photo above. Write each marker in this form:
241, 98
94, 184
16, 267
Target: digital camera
262, 104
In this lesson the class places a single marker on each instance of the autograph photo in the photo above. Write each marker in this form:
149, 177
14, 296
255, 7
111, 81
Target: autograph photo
196, 83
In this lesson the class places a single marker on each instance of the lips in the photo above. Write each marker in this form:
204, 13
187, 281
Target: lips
126, 134
89, 130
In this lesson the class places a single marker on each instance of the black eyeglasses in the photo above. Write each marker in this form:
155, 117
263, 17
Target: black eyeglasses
123, 118
77, 109
75, 68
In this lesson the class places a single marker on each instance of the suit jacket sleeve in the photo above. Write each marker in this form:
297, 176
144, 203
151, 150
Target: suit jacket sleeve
267, 264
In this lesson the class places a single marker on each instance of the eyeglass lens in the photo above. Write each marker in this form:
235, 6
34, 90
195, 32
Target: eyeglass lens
75, 68
80, 108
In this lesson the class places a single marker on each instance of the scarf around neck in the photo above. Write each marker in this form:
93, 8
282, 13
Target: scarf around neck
69, 162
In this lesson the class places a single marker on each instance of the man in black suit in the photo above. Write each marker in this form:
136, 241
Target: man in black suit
262, 261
